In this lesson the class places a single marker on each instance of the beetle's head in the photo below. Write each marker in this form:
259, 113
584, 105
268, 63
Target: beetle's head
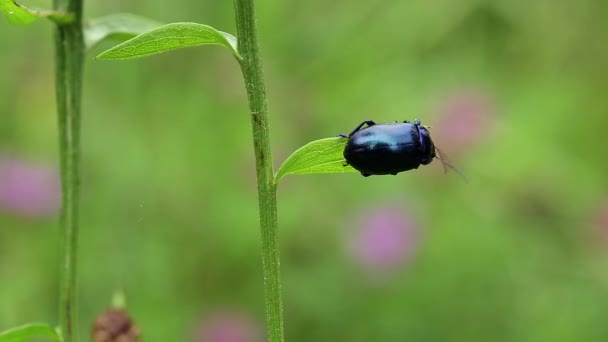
427, 147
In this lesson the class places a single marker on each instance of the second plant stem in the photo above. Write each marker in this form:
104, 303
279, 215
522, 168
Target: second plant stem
251, 67
69, 58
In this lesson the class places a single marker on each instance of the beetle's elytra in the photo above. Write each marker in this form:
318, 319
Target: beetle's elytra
382, 149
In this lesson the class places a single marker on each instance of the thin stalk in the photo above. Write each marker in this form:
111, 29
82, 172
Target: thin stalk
69, 58
251, 66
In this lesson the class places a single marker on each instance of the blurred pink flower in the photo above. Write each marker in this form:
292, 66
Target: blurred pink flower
601, 221
462, 119
228, 326
385, 240
27, 189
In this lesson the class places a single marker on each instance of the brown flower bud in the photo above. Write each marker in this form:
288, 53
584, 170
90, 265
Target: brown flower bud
114, 325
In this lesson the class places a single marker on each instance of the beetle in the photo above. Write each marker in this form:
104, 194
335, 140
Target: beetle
383, 149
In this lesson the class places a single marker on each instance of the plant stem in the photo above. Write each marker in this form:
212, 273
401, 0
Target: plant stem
251, 67
69, 58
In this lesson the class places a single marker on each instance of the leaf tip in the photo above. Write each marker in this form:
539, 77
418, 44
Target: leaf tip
101, 56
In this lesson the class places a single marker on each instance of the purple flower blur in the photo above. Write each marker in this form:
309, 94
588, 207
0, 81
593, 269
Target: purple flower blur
228, 326
463, 119
603, 217
601, 221
385, 240
27, 189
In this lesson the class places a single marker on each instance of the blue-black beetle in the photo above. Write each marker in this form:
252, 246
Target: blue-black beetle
383, 149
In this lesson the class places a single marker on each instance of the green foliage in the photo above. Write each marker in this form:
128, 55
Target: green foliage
29, 331
319, 156
121, 26
514, 256
17, 14
170, 37
20, 15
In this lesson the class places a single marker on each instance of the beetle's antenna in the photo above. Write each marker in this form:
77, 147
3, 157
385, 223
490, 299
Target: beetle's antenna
443, 158
446, 163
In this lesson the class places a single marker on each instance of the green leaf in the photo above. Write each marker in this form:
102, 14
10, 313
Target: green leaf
170, 37
319, 156
29, 331
120, 26
17, 14
21, 15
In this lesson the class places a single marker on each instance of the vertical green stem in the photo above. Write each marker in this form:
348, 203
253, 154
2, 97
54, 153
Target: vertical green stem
69, 58
251, 67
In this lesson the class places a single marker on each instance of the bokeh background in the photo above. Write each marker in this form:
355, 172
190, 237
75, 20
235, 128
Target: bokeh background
515, 92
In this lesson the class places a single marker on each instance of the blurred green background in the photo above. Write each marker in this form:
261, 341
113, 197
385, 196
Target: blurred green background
516, 95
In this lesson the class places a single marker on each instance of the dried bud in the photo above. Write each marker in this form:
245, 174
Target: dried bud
114, 325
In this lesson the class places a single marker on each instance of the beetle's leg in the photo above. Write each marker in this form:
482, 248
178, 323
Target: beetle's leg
365, 174
406, 121
417, 122
368, 122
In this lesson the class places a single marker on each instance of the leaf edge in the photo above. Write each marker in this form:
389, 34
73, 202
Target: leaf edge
280, 173
229, 40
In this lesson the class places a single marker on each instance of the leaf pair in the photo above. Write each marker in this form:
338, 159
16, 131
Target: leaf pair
321, 156
144, 37
147, 37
